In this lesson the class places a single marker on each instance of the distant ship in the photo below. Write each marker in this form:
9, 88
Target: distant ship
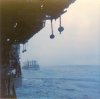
33, 65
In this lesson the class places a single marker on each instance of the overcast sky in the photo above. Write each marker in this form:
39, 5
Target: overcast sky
79, 43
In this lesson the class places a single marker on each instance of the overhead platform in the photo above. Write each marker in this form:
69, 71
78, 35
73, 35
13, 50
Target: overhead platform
19, 21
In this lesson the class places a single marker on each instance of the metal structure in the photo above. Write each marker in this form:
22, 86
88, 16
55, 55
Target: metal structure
19, 21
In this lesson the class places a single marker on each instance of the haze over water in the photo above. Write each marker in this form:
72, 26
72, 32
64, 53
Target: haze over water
68, 63
78, 44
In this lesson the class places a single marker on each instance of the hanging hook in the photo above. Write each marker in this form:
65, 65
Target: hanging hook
52, 36
60, 29
24, 48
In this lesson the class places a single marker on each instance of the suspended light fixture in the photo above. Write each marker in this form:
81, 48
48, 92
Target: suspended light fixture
8, 39
60, 29
15, 25
42, 4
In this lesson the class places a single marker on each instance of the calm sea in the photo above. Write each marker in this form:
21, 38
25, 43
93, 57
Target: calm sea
61, 82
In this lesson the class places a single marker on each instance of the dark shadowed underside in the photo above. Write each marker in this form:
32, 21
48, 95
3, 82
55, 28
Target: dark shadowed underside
19, 21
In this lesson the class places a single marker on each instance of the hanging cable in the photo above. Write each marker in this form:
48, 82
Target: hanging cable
60, 29
24, 48
52, 36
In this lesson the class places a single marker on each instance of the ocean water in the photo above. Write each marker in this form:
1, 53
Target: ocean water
60, 82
